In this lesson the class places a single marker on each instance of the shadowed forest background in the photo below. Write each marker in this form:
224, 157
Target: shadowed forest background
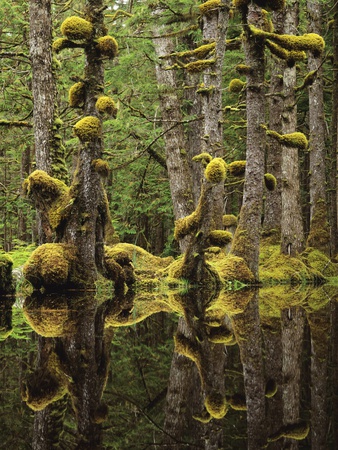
169, 169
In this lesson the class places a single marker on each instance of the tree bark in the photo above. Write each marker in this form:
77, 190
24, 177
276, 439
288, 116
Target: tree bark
292, 233
319, 235
247, 236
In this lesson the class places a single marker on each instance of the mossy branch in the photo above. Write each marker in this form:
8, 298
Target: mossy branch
118, 13
15, 123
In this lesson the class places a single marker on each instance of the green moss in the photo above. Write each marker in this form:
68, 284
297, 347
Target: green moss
308, 42
287, 55
187, 225
199, 52
52, 266
229, 220
294, 140
6, 279
220, 335
45, 386
219, 238
60, 44
271, 389
319, 236
236, 85
215, 171
105, 104
101, 414
77, 95
237, 402
233, 268
88, 128
75, 28
50, 318
243, 69
101, 167
204, 417
199, 66
108, 46
228, 303
236, 168
298, 431
216, 405
209, 6
320, 262
204, 158
188, 348
270, 182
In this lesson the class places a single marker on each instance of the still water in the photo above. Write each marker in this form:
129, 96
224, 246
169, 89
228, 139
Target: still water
168, 370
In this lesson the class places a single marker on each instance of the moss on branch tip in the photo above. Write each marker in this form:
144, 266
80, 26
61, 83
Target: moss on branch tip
236, 85
215, 171
75, 28
88, 128
106, 105
295, 140
108, 46
76, 95
270, 181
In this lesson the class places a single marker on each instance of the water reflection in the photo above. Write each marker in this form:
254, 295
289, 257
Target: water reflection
250, 369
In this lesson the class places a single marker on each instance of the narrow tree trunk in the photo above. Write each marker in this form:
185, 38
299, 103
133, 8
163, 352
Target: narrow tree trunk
247, 236
214, 26
291, 224
273, 202
43, 85
319, 236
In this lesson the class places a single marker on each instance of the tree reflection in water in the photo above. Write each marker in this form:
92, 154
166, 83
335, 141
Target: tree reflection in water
282, 339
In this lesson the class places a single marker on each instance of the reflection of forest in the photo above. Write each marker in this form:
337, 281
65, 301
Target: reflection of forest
251, 369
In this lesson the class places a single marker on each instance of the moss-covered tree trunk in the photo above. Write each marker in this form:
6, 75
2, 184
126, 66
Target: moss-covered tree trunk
319, 235
247, 236
292, 233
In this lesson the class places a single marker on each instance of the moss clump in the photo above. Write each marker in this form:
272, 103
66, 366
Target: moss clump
215, 171
270, 182
45, 386
187, 225
219, 238
243, 69
204, 417
77, 95
294, 140
233, 268
106, 105
298, 431
49, 317
209, 6
229, 220
75, 28
101, 167
114, 270
108, 46
320, 262
60, 44
6, 279
220, 335
101, 414
216, 405
188, 348
237, 168
52, 266
271, 389
199, 66
199, 52
308, 42
88, 128
237, 402
204, 158
236, 85
228, 303
287, 55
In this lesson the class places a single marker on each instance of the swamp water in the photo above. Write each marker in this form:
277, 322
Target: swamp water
252, 369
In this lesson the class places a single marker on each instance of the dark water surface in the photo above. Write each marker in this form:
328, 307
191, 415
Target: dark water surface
252, 369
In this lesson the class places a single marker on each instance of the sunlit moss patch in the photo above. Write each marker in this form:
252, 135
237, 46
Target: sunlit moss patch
76, 28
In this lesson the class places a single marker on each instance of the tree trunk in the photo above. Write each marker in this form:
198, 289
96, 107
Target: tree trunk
319, 235
247, 236
273, 202
291, 224
43, 85
176, 155
214, 27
